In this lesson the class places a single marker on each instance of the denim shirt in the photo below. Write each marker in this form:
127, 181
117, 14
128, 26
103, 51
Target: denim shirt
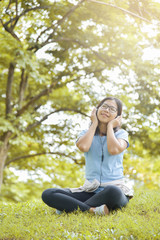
108, 168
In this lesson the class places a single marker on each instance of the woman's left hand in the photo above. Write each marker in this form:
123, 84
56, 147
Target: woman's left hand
116, 122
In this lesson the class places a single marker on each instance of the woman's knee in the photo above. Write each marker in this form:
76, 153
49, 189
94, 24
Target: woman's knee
116, 197
47, 194
113, 190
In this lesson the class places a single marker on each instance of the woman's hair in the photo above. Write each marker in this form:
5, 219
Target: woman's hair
119, 108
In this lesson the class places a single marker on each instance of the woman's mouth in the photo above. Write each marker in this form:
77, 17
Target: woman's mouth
104, 115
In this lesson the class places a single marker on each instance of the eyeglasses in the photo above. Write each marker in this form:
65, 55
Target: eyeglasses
110, 108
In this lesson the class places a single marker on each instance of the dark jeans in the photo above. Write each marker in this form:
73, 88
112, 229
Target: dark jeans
65, 200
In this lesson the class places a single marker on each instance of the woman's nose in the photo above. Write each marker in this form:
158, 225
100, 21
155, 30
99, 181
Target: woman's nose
107, 109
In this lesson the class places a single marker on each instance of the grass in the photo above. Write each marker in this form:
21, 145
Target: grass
35, 221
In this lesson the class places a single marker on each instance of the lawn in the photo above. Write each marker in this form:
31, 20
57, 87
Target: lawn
34, 220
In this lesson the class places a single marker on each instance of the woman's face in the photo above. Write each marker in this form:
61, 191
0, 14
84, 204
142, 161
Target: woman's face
107, 111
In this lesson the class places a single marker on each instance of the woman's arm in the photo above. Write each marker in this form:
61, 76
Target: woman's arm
85, 141
115, 146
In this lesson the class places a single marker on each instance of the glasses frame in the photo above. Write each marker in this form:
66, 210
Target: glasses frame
111, 109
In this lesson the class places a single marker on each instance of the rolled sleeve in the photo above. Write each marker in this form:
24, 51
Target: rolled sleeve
122, 134
81, 134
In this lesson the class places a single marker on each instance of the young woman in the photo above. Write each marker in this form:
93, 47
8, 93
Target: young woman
103, 145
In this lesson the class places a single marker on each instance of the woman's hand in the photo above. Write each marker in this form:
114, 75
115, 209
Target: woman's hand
84, 142
94, 118
116, 122
115, 145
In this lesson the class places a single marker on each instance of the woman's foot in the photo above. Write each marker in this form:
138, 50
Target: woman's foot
101, 210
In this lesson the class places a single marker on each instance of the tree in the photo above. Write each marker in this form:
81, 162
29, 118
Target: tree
84, 42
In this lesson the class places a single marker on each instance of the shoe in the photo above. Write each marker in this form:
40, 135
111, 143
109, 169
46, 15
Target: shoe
101, 210
58, 212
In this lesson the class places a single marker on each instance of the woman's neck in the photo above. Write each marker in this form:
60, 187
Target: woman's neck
102, 129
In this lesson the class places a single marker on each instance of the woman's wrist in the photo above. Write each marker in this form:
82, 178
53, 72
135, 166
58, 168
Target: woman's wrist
95, 124
109, 125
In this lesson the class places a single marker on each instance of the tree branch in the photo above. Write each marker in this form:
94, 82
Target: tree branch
16, 20
35, 98
9, 30
39, 154
16, 7
45, 92
45, 30
9, 88
41, 94
23, 13
23, 85
122, 9
64, 17
59, 22
56, 111
83, 45
8, 6
71, 40
13, 21
139, 9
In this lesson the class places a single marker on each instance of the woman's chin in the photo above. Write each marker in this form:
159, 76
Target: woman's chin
104, 121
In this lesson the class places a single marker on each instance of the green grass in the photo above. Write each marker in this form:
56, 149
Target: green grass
34, 220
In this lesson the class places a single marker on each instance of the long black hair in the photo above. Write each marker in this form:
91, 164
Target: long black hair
119, 110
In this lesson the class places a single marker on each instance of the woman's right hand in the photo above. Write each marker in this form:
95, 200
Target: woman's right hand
84, 142
94, 118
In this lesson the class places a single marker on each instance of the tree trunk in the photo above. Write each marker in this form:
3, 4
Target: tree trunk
3, 155
23, 85
9, 88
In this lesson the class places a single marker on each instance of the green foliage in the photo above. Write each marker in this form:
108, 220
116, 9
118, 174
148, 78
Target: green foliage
39, 174
34, 220
146, 170
92, 50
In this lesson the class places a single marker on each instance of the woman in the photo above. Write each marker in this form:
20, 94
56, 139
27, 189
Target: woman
103, 145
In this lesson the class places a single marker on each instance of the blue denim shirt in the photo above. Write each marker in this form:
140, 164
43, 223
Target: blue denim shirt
111, 166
